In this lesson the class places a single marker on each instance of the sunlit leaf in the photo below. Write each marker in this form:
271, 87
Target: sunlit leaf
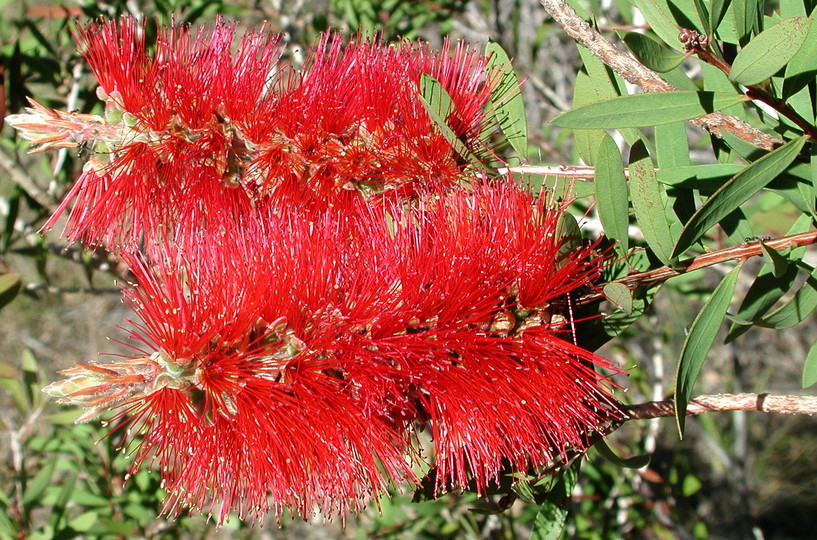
703, 176
778, 262
659, 16
804, 60
701, 337
717, 9
651, 53
671, 146
649, 109
550, 520
635, 462
586, 141
796, 309
620, 295
439, 106
612, 199
767, 289
747, 15
769, 51
648, 203
508, 107
737, 191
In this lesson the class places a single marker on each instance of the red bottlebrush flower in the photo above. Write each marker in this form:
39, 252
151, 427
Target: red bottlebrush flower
196, 116
286, 356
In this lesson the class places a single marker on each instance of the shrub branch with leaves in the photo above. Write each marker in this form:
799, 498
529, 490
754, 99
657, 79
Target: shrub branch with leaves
346, 278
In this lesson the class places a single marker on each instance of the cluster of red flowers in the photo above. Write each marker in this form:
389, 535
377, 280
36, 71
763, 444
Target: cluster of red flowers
318, 275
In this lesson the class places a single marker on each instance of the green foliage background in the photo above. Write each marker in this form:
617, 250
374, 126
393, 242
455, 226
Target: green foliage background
734, 475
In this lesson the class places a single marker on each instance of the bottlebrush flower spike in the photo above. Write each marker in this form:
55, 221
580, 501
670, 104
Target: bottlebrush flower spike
196, 124
286, 360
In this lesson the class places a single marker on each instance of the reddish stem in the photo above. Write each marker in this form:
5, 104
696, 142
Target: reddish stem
734, 253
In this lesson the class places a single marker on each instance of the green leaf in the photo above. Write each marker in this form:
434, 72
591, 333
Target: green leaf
508, 108
550, 520
804, 61
800, 73
595, 332
767, 289
810, 367
586, 141
569, 233
707, 177
635, 462
31, 378
39, 482
649, 109
736, 225
658, 15
620, 295
65, 495
769, 51
777, 261
793, 312
700, 339
716, 12
747, 15
10, 285
83, 522
737, 191
648, 203
439, 106
671, 147
651, 53
612, 199
702, 17
690, 485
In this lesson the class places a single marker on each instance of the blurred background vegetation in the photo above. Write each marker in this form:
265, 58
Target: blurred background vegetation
734, 475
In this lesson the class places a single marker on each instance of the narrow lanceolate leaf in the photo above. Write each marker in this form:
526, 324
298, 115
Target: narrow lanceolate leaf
651, 53
778, 262
810, 367
737, 191
508, 108
716, 12
701, 336
659, 17
612, 200
650, 109
768, 289
671, 146
769, 51
703, 17
805, 59
635, 462
648, 203
439, 106
747, 14
793, 312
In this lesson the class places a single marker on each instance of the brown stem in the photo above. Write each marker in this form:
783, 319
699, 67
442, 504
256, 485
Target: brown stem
769, 403
734, 253
636, 73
